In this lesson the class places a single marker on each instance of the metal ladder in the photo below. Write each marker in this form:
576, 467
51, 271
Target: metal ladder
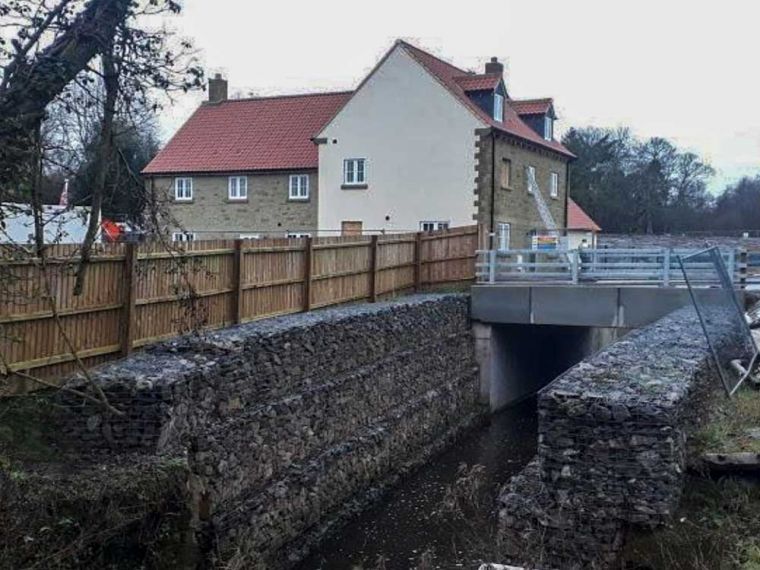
543, 209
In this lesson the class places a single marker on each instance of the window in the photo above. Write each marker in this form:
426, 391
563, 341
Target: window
503, 232
183, 236
183, 189
548, 128
531, 178
506, 173
554, 185
237, 188
498, 107
250, 236
433, 226
354, 171
298, 235
298, 187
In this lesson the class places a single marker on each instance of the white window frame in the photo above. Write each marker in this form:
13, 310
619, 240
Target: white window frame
183, 189
250, 236
351, 165
548, 128
184, 236
434, 225
530, 170
503, 235
237, 188
298, 235
301, 189
554, 185
498, 107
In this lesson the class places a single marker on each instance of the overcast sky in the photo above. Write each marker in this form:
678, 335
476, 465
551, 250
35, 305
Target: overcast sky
685, 70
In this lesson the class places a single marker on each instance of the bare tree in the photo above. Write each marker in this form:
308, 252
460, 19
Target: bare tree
94, 62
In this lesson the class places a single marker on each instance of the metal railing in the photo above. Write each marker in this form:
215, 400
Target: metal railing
653, 267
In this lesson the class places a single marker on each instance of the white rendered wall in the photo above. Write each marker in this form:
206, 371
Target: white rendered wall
419, 142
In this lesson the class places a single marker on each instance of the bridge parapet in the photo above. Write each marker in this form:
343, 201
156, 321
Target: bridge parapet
631, 266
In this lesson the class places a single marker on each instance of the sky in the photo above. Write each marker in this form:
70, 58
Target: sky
684, 70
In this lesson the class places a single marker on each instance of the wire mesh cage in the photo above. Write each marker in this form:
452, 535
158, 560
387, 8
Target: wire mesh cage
721, 316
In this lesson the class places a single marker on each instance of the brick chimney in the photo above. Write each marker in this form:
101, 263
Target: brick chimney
217, 89
495, 67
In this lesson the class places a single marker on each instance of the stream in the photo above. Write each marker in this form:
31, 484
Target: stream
408, 523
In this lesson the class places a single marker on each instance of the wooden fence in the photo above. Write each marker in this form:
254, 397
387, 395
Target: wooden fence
135, 295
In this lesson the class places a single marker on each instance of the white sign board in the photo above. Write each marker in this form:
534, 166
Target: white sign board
62, 224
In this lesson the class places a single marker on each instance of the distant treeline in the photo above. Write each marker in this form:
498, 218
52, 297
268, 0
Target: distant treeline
629, 185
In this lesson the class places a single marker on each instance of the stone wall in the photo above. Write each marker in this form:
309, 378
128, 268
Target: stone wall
284, 422
612, 446
676, 241
267, 211
513, 204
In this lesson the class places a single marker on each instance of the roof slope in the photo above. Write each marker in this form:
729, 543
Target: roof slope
532, 106
577, 219
473, 82
241, 135
447, 75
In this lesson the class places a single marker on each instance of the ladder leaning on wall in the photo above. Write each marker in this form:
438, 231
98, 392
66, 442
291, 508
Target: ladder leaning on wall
543, 209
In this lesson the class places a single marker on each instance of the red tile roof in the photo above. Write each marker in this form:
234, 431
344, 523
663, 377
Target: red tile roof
512, 124
473, 82
265, 133
577, 219
531, 106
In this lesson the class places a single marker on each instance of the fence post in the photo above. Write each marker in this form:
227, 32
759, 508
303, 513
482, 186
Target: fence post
418, 262
237, 282
743, 267
373, 269
130, 299
307, 272
492, 266
574, 266
666, 268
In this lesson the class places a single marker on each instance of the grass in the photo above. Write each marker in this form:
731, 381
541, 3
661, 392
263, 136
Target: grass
730, 421
717, 527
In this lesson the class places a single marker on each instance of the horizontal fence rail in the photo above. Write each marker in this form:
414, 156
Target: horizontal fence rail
138, 294
656, 267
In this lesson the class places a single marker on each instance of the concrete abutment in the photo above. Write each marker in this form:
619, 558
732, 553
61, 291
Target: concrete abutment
516, 361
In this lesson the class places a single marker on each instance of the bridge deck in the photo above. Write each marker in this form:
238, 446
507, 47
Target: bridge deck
608, 305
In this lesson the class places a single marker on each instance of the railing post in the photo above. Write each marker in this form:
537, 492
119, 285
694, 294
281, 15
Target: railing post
373, 269
308, 268
418, 262
492, 266
237, 282
743, 267
130, 299
666, 267
575, 265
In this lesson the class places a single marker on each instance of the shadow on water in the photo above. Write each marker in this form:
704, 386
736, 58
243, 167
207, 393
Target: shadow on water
407, 522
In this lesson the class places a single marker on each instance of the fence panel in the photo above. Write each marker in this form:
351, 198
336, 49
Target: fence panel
448, 256
134, 295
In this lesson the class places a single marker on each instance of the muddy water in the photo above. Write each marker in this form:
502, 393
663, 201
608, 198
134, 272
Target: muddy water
408, 522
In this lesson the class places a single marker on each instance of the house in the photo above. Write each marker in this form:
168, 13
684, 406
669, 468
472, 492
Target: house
419, 145
244, 167
581, 229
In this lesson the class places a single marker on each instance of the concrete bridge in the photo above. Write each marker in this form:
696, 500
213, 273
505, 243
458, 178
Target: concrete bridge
577, 302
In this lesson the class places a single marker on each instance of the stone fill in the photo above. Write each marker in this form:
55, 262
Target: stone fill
287, 421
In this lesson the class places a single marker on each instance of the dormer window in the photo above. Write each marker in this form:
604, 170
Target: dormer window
498, 107
548, 128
